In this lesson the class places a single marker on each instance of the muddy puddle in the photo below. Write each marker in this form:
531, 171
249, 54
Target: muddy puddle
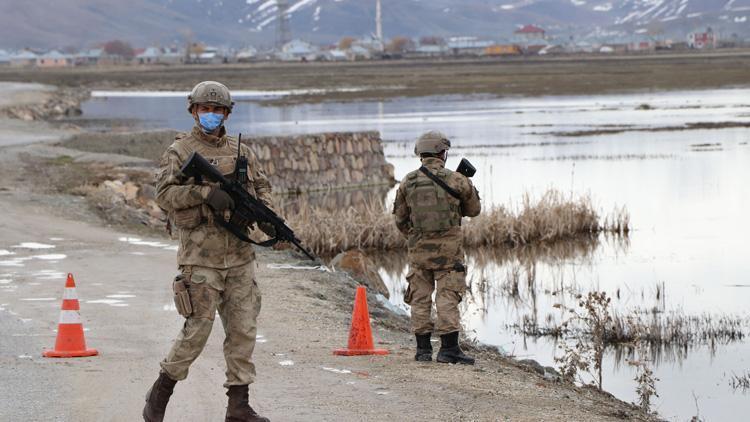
677, 161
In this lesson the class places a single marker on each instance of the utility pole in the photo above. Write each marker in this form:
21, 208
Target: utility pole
379, 22
283, 31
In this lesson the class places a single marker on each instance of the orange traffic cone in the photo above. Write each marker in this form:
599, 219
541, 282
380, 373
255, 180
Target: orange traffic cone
70, 342
360, 335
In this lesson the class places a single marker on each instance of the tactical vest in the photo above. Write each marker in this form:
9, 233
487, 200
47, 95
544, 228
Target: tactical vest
430, 207
224, 158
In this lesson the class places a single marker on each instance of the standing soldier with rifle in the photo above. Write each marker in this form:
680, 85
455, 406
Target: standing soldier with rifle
429, 205
217, 267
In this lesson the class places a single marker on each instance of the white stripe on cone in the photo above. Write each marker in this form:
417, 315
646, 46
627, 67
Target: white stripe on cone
70, 317
70, 293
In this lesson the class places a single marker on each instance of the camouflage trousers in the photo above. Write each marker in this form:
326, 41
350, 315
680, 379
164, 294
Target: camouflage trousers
449, 287
235, 294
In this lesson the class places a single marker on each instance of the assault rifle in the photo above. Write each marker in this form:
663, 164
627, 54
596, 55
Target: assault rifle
466, 168
247, 208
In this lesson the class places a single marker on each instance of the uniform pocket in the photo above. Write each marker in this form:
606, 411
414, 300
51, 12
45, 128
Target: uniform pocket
181, 296
453, 281
188, 218
409, 293
202, 297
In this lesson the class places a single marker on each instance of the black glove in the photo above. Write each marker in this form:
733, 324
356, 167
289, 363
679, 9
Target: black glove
219, 200
267, 228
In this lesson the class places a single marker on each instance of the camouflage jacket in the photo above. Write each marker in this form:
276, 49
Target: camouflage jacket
443, 248
201, 241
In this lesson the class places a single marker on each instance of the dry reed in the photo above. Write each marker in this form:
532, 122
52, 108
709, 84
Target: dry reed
370, 226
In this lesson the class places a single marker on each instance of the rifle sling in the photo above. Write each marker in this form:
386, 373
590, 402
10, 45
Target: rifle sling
243, 237
440, 183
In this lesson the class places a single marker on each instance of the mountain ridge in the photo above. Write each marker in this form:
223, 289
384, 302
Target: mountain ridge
83, 23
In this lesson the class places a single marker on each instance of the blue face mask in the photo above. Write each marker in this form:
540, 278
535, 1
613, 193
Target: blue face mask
210, 121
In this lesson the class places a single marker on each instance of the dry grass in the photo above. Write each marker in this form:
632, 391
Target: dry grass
676, 329
673, 332
551, 218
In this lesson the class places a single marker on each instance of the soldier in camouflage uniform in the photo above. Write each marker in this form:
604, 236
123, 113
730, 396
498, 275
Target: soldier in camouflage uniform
217, 268
430, 218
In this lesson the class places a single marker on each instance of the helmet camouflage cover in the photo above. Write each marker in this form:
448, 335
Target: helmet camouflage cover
210, 92
432, 142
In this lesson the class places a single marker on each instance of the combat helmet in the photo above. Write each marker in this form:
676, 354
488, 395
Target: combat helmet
432, 142
210, 92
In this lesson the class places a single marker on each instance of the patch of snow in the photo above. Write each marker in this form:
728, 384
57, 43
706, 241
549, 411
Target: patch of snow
336, 371
606, 7
267, 4
507, 7
49, 275
119, 296
33, 245
740, 19
17, 262
578, 2
5, 252
300, 4
104, 301
50, 257
286, 363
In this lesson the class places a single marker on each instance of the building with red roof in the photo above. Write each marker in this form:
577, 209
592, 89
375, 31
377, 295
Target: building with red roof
531, 32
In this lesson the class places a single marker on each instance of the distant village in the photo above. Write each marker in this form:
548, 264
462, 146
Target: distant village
528, 40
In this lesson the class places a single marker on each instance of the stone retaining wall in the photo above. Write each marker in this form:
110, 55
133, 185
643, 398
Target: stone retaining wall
309, 163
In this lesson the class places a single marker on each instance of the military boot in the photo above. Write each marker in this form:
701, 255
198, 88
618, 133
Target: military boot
157, 398
238, 409
450, 351
424, 348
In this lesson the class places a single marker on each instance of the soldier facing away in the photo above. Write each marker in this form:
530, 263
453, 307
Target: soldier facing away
430, 217
217, 269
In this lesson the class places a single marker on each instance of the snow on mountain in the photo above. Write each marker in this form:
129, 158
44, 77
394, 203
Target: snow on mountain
239, 22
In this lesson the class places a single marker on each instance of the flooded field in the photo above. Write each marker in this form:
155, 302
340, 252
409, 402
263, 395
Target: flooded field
677, 161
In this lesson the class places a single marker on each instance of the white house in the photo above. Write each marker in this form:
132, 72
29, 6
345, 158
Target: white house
247, 54
298, 50
54, 58
149, 56
23, 58
701, 40
336, 55
4, 58
467, 45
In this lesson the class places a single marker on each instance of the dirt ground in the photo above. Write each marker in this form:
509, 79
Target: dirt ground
532, 76
124, 285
